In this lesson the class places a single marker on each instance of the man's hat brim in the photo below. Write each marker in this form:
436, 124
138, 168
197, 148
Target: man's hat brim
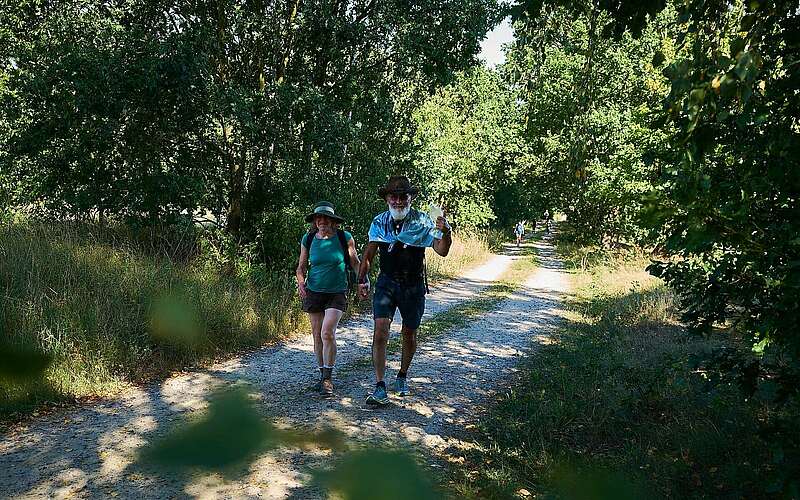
382, 192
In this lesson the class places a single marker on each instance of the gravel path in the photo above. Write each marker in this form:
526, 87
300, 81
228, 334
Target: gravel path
88, 452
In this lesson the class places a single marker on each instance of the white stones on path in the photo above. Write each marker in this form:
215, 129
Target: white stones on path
86, 452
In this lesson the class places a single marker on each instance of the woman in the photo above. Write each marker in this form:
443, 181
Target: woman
322, 283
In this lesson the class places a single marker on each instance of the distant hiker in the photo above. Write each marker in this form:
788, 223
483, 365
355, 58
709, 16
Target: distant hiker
519, 231
401, 234
548, 217
330, 251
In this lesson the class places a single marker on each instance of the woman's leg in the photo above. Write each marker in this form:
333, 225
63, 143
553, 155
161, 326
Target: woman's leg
329, 325
316, 319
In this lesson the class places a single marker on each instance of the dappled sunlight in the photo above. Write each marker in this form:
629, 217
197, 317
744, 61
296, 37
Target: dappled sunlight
452, 371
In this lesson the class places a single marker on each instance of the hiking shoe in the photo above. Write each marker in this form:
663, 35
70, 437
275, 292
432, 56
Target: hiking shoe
326, 387
401, 386
378, 396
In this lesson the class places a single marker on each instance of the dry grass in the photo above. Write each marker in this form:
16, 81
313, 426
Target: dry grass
108, 313
110, 307
468, 250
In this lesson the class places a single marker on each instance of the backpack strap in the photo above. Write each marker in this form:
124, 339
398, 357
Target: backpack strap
310, 234
343, 243
425, 273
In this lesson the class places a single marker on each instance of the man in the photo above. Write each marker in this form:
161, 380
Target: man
519, 231
401, 235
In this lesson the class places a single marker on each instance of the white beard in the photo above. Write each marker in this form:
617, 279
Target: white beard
399, 213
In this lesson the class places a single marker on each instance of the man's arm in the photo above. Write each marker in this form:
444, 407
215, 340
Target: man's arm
442, 246
363, 269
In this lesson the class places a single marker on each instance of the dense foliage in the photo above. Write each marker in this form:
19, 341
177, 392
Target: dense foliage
704, 167
727, 209
469, 146
249, 111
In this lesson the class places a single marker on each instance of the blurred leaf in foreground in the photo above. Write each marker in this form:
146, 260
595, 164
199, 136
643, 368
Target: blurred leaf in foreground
22, 364
595, 484
175, 321
230, 434
378, 475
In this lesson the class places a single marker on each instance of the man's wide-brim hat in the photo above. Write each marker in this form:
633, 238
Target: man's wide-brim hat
398, 184
324, 208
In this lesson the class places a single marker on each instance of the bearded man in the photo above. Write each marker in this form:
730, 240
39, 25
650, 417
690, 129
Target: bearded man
401, 234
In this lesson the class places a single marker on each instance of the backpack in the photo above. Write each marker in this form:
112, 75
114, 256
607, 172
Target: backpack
349, 271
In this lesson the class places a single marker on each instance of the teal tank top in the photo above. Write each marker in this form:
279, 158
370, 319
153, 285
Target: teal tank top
327, 268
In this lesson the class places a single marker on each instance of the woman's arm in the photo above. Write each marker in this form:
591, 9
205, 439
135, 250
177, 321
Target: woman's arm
351, 251
300, 273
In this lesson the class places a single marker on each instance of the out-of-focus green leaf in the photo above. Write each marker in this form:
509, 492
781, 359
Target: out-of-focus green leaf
378, 475
175, 321
230, 433
20, 364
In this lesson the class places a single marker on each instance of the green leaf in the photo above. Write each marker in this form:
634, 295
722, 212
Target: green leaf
658, 58
697, 96
737, 45
230, 434
384, 474
22, 364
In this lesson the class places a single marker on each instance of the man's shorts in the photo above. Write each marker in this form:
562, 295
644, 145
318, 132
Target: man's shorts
391, 295
317, 302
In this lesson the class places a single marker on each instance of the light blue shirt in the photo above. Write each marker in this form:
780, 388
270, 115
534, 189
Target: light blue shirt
417, 229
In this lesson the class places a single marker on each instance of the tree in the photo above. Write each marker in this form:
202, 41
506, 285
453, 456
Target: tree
727, 209
469, 141
588, 88
156, 109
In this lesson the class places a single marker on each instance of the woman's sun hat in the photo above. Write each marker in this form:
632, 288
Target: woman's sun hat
324, 208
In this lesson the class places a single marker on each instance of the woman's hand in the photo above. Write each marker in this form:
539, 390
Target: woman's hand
301, 289
363, 289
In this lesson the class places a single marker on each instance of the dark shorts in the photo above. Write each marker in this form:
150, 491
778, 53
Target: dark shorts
317, 302
391, 295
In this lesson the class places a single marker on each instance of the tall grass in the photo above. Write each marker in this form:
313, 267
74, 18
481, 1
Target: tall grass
112, 306
93, 298
613, 407
468, 250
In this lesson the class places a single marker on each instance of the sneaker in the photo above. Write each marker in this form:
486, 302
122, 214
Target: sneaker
401, 386
326, 387
378, 396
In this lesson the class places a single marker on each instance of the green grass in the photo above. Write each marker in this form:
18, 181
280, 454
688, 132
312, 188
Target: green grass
108, 312
613, 407
463, 313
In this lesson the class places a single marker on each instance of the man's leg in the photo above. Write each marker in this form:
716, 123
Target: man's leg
409, 348
383, 309
411, 309
379, 340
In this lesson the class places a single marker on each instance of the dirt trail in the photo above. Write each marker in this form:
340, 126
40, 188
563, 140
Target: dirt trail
87, 452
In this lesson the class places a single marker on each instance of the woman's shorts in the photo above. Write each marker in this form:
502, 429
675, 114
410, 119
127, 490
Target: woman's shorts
317, 302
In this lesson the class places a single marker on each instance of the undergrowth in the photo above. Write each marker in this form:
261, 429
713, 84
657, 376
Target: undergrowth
613, 406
